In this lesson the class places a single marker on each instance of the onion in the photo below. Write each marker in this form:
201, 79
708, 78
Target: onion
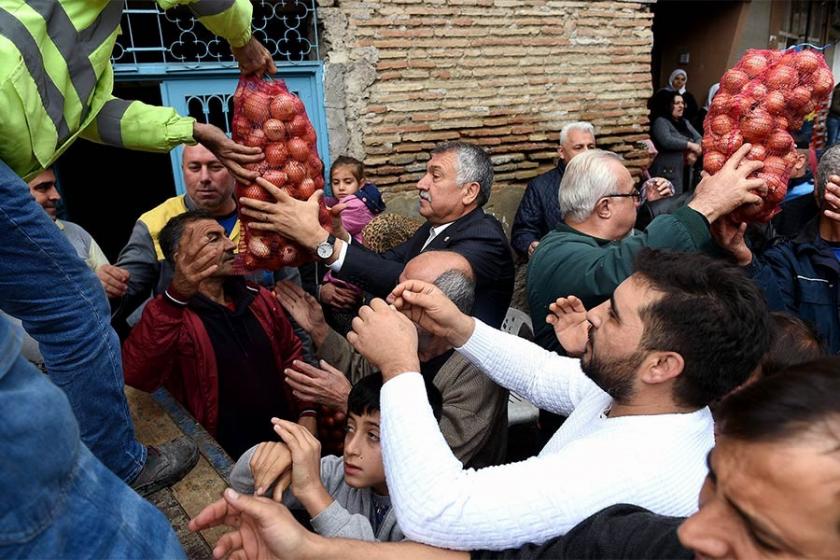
295, 171
779, 142
276, 177
297, 126
753, 63
258, 247
733, 81
775, 102
756, 90
283, 107
298, 149
275, 130
782, 77
256, 138
307, 188
713, 161
255, 107
721, 103
729, 143
721, 124
254, 191
757, 152
798, 97
807, 62
823, 83
315, 165
756, 125
276, 154
776, 166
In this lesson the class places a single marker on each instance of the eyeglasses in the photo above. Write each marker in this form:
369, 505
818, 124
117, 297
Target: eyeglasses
636, 194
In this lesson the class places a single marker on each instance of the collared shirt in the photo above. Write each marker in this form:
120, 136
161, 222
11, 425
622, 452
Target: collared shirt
434, 232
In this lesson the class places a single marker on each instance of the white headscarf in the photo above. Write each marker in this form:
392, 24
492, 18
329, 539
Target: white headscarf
673, 75
712, 91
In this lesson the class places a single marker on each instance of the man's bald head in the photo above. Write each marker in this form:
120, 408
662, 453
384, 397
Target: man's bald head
430, 265
448, 271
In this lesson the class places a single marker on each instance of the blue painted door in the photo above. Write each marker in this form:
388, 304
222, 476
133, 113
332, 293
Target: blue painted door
209, 99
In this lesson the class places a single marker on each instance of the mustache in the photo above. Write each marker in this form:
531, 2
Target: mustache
426, 196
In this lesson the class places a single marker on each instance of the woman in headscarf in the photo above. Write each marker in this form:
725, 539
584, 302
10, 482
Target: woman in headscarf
676, 83
677, 141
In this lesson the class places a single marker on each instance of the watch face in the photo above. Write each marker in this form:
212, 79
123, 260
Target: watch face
324, 250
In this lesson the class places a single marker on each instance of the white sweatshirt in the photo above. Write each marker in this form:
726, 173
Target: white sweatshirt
656, 461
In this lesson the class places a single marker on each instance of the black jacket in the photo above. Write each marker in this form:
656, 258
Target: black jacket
617, 532
477, 236
539, 210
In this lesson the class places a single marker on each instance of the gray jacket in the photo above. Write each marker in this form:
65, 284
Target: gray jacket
474, 419
349, 516
671, 143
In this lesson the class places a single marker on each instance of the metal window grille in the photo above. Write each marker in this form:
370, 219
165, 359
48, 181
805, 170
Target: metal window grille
154, 41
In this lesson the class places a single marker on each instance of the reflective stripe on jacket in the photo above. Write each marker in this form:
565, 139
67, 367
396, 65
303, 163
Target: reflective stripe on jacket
56, 79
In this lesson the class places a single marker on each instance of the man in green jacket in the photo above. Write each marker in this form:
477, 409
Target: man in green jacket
593, 250
55, 86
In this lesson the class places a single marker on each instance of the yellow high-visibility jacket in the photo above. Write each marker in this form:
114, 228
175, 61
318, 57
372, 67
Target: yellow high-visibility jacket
56, 79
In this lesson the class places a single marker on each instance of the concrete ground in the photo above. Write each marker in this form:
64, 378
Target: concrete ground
158, 418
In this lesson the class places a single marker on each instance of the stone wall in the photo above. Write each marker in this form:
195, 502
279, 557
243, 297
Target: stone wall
403, 75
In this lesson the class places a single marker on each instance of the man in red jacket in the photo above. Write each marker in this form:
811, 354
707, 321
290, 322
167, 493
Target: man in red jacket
218, 345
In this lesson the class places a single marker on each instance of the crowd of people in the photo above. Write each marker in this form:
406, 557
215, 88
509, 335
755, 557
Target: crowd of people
686, 358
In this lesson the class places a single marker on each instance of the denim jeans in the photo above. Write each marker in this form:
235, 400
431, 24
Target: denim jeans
58, 500
62, 305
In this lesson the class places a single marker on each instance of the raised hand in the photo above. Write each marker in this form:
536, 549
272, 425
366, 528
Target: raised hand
719, 194
568, 317
232, 155
304, 309
254, 58
429, 307
306, 466
730, 237
386, 337
325, 385
196, 258
271, 465
262, 529
294, 219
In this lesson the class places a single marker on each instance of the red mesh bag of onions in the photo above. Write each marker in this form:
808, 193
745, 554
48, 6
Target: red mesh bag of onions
268, 116
763, 100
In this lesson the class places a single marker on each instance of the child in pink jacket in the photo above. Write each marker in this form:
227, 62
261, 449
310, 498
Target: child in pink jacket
363, 201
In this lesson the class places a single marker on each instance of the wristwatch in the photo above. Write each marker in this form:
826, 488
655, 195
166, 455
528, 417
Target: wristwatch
325, 248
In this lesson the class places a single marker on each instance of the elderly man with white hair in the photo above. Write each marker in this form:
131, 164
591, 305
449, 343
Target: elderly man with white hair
592, 251
538, 211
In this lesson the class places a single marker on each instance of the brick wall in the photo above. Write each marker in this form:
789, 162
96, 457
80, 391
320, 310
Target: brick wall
403, 75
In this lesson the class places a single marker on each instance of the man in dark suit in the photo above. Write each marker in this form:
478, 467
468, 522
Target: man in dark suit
456, 185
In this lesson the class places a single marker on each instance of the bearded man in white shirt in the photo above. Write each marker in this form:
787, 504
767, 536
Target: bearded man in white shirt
678, 334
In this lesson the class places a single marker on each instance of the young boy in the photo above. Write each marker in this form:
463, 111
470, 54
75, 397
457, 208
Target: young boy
345, 497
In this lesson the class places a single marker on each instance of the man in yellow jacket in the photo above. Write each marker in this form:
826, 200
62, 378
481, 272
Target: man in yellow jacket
55, 86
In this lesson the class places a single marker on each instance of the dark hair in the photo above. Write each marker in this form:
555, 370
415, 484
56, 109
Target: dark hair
711, 314
356, 166
364, 396
783, 406
474, 165
792, 341
170, 235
